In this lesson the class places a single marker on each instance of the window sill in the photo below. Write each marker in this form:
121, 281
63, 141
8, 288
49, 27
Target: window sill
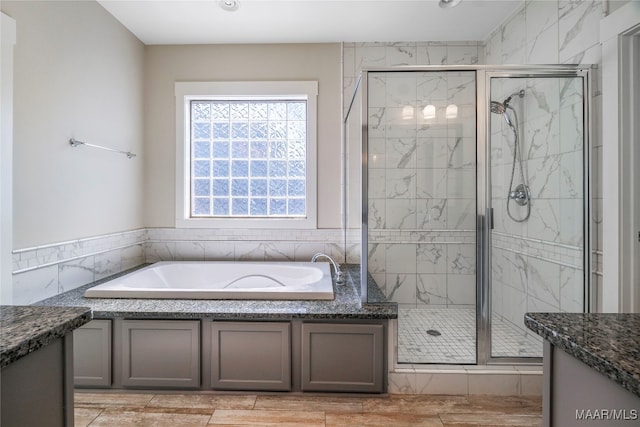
248, 223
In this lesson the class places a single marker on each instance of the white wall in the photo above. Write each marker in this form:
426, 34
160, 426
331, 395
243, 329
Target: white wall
78, 73
164, 65
620, 38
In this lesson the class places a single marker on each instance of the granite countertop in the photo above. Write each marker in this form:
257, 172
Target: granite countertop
25, 329
345, 305
608, 343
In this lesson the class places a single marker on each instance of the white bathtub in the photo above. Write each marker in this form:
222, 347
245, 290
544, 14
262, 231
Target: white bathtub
222, 280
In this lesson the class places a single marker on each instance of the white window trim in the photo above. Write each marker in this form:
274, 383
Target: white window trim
187, 91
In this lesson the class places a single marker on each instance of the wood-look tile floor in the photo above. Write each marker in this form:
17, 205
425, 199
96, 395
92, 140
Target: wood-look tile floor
227, 410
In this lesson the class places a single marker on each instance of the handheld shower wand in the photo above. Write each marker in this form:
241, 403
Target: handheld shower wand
521, 194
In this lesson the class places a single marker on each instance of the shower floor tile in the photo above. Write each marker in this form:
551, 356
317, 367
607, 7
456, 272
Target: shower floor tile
511, 341
448, 336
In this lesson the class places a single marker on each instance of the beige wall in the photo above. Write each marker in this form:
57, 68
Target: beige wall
164, 65
78, 73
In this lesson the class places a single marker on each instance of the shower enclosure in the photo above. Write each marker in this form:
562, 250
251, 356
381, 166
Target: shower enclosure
469, 185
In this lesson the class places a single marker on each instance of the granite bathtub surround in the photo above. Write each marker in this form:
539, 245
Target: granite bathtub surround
45, 271
345, 305
608, 343
26, 329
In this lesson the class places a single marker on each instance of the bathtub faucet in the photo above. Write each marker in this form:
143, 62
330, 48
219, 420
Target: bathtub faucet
336, 267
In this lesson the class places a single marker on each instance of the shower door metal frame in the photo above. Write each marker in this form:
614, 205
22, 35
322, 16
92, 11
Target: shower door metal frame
363, 86
485, 213
483, 75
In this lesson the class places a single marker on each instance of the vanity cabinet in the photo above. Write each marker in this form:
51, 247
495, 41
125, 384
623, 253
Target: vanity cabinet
251, 356
574, 394
92, 354
343, 357
591, 374
34, 390
36, 364
160, 353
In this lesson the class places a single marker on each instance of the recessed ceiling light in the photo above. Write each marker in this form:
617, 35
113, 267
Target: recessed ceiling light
449, 3
229, 5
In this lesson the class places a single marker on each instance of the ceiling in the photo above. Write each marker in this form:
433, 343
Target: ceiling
308, 21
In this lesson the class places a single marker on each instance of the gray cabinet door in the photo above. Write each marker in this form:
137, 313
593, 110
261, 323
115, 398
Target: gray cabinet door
34, 389
342, 357
161, 353
250, 356
576, 395
92, 354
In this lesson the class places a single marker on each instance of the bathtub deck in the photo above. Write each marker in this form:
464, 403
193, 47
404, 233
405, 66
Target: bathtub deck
345, 305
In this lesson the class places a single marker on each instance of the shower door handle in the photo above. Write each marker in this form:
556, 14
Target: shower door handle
490, 218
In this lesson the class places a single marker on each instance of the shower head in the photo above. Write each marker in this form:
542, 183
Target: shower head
497, 107
501, 107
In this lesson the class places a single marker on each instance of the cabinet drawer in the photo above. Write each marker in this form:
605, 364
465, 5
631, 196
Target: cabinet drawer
250, 356
160, 353
342, 357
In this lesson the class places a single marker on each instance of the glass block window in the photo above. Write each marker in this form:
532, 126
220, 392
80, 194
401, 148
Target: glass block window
246, 154
248, 158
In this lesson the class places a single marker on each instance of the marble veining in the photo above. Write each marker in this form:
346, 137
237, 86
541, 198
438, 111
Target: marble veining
345, 305
26, 329
43, 271
420, 167
607, 342
550, 123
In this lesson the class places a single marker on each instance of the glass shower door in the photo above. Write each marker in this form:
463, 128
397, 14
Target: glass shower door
421, 208
537, 173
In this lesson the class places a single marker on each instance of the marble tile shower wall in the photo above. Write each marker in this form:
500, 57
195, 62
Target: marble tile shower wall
45, 271
357, 56
537, 263
422, 187
421, 247
549, 277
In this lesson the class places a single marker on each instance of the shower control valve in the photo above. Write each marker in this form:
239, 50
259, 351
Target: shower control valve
520, 195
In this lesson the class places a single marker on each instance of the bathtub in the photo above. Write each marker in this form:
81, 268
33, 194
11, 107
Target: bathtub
222, 280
